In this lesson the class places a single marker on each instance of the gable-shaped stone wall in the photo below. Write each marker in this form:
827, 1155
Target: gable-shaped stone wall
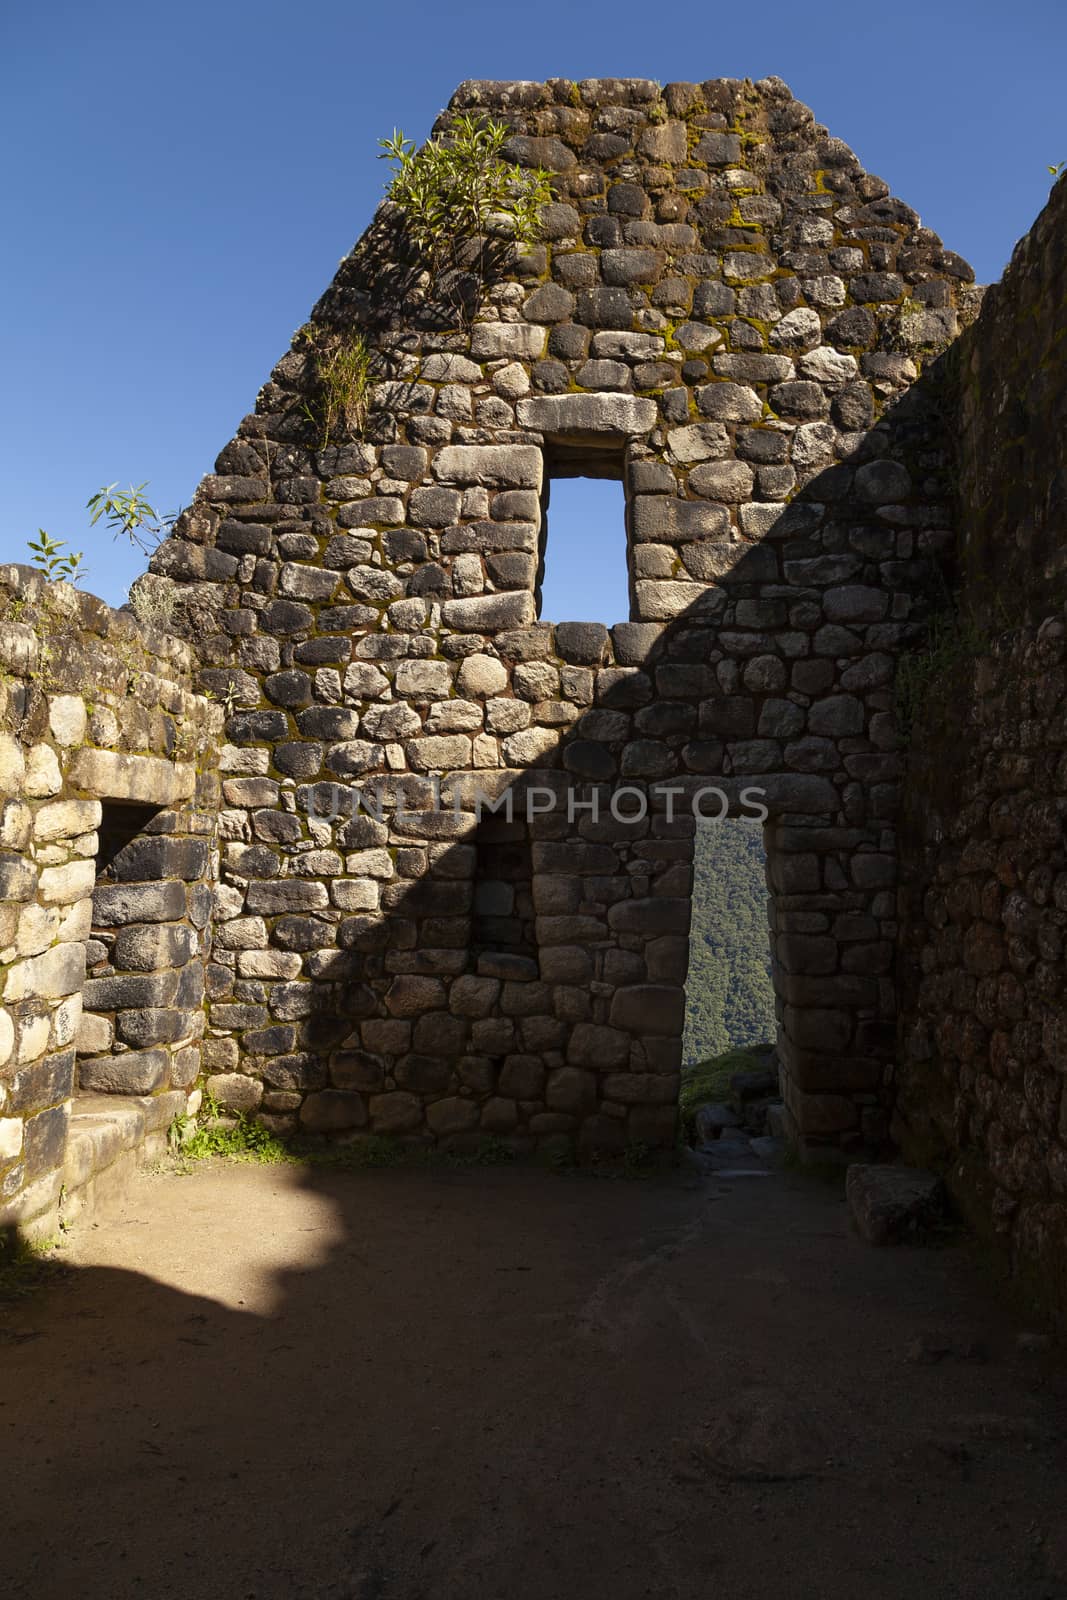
728, 313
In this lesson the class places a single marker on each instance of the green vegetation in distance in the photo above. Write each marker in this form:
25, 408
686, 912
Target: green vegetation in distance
729, 995
709, 1081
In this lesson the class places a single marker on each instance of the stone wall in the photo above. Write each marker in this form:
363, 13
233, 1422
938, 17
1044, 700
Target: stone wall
103, 746
983, 1025
1012, 434
728, 314
452, 897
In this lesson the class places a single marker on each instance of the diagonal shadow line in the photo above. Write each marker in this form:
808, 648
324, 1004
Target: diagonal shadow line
697, 710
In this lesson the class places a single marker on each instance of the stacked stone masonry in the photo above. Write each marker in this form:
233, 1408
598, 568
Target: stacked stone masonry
449, 897
982, 1090
1010, 435
103, 745
983, 1031
729, 315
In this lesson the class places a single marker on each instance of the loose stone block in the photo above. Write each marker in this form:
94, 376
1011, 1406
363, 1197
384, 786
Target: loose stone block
890, 1204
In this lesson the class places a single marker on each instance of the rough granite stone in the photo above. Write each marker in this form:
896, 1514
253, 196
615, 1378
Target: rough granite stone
891, 1204
408, 902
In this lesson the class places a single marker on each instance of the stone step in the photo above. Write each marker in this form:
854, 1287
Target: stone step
891, 1203
109, 1137
711, 1120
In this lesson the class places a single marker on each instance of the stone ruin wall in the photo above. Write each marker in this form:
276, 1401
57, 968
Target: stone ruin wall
733, 318
983, 1025
728, 314
107, 815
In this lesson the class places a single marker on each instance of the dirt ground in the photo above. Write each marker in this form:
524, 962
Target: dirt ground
508, 1384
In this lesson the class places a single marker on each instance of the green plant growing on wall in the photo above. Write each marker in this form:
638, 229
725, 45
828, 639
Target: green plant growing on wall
341, 365
458, 186
128, 514
228, 699
47, 554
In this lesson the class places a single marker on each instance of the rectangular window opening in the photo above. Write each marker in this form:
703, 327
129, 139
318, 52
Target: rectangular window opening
584, 570
120, 825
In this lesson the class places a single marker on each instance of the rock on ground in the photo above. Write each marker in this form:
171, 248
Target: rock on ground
892, 1203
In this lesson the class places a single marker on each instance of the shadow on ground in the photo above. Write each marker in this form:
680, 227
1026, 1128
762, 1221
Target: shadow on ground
506, 1384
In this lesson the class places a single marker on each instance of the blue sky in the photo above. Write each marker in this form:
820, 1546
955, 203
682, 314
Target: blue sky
181, 181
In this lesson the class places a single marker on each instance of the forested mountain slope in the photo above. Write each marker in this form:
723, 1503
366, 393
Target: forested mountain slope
729, 998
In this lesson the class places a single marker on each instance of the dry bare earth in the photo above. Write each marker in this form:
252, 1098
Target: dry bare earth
509, 1385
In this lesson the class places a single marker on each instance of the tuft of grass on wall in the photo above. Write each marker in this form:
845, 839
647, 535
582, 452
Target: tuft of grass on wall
341, 370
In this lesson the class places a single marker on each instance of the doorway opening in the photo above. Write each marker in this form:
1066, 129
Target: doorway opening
729, 991
126, 1005
503, 915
